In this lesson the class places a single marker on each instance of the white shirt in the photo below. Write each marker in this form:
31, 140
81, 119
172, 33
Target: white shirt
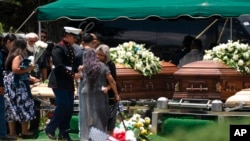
193, 55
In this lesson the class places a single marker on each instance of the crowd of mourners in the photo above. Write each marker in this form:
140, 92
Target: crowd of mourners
80, 60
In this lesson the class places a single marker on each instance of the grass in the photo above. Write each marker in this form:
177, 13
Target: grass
214, 131
210, 132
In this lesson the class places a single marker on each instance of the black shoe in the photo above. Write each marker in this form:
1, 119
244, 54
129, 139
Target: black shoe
50, 135
64, 137
32, 136
8, 138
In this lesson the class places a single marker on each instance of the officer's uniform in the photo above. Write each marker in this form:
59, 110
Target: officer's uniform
61, 80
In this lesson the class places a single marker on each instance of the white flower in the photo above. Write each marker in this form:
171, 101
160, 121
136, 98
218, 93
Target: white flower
119, 60
240, 62
225, 58
41, 44
235, 57
40, 47
31, 58
246, 55
207, 57
126, 44
129, 54
130, 136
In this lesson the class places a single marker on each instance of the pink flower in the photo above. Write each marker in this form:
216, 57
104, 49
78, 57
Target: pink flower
119, 134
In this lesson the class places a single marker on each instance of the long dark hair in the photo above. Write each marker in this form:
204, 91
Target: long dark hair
91, 66
17, 49
10, 37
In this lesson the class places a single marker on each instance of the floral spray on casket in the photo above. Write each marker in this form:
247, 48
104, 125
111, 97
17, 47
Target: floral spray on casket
137, 57
233, 54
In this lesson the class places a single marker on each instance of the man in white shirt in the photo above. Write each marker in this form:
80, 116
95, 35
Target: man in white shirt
194, 55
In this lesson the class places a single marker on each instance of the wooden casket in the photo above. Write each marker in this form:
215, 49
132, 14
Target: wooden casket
209, 80
134, 85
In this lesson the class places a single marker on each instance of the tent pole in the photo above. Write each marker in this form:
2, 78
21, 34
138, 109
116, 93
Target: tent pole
218, 41
231, 28
198, 36
33, 12
39, 30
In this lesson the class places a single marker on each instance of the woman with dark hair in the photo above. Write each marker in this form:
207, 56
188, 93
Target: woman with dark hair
19, 101
95, 107
4, 50
103, 55
8, 42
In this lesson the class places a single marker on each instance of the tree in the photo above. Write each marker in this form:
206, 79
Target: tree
15, 12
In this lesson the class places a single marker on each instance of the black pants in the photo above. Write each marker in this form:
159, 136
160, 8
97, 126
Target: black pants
35, 123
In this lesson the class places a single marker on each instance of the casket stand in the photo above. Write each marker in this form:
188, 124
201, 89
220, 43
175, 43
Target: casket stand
208, 79
41, 92
134, 85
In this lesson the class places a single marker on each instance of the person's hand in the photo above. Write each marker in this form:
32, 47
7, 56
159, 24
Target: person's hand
1, 90
117, 98
80, 68
34, 80
78, 75
31, 67
105, 90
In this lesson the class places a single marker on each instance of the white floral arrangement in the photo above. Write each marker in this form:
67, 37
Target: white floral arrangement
137, 57
233, 54
39, 49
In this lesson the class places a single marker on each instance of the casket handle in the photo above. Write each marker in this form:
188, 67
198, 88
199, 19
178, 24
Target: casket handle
128, 87
149, 86
199, 88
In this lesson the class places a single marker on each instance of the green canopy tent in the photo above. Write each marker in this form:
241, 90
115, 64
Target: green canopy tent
141, 9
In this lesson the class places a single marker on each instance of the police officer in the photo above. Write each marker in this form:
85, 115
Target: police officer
61, 80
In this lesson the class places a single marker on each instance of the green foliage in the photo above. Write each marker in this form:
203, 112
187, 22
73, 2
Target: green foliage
15, 2
11, 30
1, 28
46, 81
15, 12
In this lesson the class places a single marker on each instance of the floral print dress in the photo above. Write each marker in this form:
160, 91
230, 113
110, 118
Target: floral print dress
19, 103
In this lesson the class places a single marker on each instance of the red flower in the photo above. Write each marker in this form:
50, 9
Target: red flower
50, 115
121, 136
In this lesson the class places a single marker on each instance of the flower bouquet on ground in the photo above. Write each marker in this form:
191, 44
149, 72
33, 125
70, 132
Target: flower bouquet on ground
137, 128
137, 57
233, 54
44, 121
